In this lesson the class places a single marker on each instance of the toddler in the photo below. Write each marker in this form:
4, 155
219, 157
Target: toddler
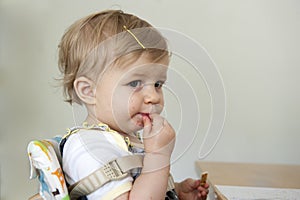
115, 64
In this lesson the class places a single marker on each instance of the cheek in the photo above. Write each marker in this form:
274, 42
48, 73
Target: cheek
161, 105
121, 102
133, 104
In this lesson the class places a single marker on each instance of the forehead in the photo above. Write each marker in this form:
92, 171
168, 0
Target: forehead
143, 66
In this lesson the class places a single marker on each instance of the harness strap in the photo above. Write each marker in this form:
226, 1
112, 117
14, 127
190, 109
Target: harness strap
114, 170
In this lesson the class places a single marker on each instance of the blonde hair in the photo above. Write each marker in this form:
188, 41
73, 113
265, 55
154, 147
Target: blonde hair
83, 38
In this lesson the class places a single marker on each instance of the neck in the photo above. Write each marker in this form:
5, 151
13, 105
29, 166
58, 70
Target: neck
92, 120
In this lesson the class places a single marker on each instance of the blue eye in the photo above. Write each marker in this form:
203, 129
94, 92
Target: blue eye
135, 84
158, 84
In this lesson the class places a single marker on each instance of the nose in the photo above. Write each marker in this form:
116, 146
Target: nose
151, 94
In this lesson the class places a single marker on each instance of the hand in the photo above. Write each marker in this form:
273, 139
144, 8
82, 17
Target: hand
158, 135
159, 141
191, 189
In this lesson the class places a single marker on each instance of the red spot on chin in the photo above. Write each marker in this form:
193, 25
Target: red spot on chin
141, 124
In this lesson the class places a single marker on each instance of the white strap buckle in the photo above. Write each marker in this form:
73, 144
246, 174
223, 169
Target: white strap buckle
113, 171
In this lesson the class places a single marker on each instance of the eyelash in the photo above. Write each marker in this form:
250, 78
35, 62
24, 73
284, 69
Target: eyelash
138, 84
135, 84
159, 84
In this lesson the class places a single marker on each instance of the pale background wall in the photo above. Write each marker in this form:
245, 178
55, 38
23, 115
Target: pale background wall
254, 43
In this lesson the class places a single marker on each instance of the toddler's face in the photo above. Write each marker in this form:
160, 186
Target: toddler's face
126, 94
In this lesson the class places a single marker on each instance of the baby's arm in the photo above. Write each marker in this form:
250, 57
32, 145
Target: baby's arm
159, 139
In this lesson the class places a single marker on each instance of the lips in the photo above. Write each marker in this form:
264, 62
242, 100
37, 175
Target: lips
145, 114
139, 117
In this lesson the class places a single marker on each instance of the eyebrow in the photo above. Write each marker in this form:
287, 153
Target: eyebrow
137, 74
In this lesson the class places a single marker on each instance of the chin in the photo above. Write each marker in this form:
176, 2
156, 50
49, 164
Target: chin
136, 126
130, 128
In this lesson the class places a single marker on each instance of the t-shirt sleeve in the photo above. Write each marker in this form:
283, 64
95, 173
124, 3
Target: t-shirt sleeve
87, 151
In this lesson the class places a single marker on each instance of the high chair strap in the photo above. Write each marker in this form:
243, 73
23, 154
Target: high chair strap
114, 170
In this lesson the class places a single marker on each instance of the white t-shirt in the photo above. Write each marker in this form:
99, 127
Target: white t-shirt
86, 151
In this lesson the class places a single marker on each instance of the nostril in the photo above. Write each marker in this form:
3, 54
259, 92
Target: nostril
153, 98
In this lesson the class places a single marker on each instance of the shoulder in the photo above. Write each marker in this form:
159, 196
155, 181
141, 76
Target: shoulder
88, 150
96, 139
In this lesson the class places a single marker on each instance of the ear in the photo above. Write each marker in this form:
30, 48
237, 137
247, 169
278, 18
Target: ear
85, 90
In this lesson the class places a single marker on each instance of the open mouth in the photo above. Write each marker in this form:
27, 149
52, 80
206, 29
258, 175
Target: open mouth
140, 116
145, 114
